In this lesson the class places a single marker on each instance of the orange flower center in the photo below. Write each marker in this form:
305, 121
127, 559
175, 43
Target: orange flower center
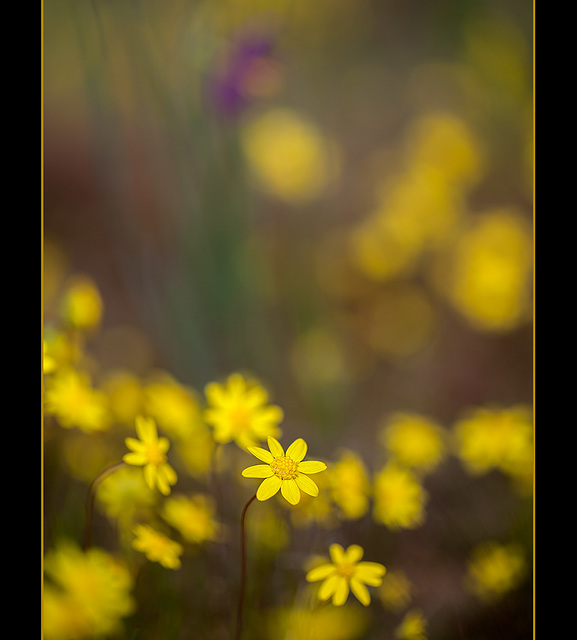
346, 569
154, 454
284, 467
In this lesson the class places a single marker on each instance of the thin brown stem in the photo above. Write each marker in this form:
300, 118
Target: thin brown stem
242, 569
90, 501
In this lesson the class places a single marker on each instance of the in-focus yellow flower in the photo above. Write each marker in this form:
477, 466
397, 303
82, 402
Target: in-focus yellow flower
86, 593
157, 547
70, 397
349, 483
81, 304
192, 517
287, 472
413, 626
495, 569
399, 498
345, 572
150, 453
496, 438
414, 441
239, 411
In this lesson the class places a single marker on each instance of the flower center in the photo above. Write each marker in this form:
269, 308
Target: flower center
284, 467
346, 569
154, 454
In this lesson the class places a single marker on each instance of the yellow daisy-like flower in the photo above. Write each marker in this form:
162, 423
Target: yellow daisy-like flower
238, 411
413, 626
157, 547
287, 472
345, 573
399, 498
150, 452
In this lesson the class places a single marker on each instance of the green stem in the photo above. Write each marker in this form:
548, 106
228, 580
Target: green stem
242, 569
90, 501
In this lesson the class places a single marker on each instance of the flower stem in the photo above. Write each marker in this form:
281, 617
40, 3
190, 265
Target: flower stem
90, 501
242, 569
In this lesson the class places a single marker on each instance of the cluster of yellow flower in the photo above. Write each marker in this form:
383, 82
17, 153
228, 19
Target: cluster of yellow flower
89, 593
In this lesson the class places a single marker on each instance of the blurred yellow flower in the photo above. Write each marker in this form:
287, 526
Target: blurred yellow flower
496, 438
319, 623
289, 156
150, 452
495, 569
174, 406
349, 484
61, 349
86, 595
157, 547
346, 572
287, 472
192, 517
70, 397
399, 498
125, 396
81, 305
414, 441
490, 276
396, 590
239, 411
413, 626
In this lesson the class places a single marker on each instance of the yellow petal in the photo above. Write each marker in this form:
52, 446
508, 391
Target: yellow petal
320, 573
268, 488
297, 450
261, 454
311, 466
258, 471
134, 444
290, 491
361, 592
275, 447
337, 553
137, 459
329, 586
353, 554
370, 573
341, 593
307, 485
150, 475
146, 429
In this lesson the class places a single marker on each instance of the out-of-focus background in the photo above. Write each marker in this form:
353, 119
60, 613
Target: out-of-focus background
336, 198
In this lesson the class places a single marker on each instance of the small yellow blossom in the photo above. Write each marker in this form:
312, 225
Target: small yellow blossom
192, 517
349, 485
495, 569
157, 547
86, 593
413, 626
150, 452
414, 441
239, 411
287, 472
289, 156
81, 304
317, 623
496, 438
174, 406
345, 572
125, 396
399, 498
71, 398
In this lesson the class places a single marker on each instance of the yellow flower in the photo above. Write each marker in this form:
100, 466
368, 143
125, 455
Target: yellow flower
238, 411
318, 623
414, 441
192, 516
87, 594
289, 156
125, 396
150, 452
286, 472
495, 569
81, 305
349, 484
347, 572
70, 397
157, 547
395, 592
413, 626
399, 498
496, 438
